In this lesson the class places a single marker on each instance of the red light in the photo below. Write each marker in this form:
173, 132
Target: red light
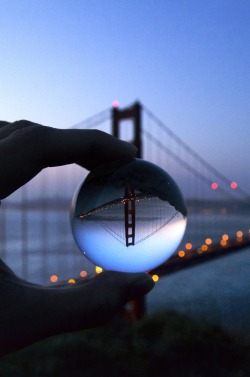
214, 186
233, 185
115, 104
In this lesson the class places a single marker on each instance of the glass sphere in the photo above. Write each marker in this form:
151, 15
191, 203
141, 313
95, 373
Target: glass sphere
129, 218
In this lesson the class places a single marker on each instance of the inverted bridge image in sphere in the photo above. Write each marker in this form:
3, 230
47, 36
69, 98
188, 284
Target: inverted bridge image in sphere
131, 218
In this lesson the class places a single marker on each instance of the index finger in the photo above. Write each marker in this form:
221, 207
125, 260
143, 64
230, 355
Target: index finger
26, 151
88, 148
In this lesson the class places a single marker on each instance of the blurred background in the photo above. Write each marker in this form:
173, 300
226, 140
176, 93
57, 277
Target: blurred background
69, 64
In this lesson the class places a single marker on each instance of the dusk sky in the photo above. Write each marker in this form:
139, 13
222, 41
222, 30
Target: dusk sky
188, 61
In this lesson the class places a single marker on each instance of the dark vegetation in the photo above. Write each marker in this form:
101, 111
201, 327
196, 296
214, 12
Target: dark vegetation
164, 345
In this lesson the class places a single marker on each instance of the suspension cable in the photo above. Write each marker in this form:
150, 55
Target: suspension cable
190, 168
94, 120
192, 152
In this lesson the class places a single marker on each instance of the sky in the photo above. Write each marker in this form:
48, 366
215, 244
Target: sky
188, 61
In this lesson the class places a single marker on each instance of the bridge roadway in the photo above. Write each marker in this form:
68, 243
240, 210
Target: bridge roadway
118, 201
194, 257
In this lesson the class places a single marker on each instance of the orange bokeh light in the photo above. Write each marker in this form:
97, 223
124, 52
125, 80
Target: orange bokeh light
188, 246
208, 241
239, 234
54, 278
204, 247
83, 274
181, 253
71, 281
225, 237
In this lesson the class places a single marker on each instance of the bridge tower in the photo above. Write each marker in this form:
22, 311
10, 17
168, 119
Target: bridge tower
132, 113
129, 212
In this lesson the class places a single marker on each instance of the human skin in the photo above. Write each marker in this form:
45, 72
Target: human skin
31, 312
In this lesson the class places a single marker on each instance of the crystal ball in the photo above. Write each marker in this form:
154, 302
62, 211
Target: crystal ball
128, 218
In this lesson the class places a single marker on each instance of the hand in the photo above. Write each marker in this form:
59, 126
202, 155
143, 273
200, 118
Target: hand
26, 148
31, 312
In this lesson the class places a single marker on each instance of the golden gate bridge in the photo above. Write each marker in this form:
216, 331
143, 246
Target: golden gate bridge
36, 238
124, 211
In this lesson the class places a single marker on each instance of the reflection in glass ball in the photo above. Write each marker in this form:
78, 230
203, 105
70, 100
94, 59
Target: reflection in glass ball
129, 218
